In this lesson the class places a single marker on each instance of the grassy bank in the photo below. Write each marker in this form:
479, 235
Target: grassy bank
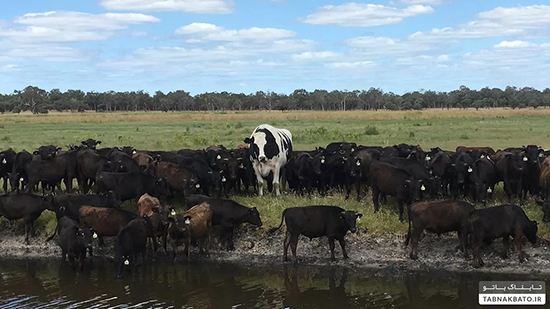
498, 128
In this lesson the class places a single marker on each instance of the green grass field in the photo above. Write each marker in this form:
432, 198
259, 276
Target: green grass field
498, 128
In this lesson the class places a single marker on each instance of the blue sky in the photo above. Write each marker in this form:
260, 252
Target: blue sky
275, 45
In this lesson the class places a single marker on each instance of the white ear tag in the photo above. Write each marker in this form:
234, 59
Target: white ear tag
489, 190
423, 188
470, 170
197, 186
134, 152
322, 161
483, 156
187, 221
525, 159
21, 179
173, 213
223, 179
540, 155
358, 163
428, 158
4, 161
95, 235
126, 262
218, 157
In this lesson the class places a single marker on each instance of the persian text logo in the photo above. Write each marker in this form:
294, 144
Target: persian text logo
512, 293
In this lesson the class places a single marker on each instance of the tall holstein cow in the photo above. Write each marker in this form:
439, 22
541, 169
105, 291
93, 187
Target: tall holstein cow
316, 221
73, 241
24, 206
229, 214
438, 217
194, 224
18, 176
7, 158
500, 221
131, 242
270, 149
386, 179
132, 185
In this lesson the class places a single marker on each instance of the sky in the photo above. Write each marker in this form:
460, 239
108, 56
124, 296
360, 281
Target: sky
273, 45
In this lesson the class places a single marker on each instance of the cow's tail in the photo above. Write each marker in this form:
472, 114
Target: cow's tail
408, 237
272, 230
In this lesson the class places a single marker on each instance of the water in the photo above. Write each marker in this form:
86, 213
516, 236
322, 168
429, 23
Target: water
50, 284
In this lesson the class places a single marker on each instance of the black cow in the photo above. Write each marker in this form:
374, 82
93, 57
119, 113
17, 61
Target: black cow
419, 172
509, 168
46, 152
73, 241
7, 159
227, 213
532, 157
89, 164
440, 164
91, 143
18, 176
245, 173
483, 178
132, 185
24, 205
438, 217
226, 162
366, 155
316, 221
345, 149
208, 178
400, 150
122, 162
53, 170
130, 242
307, 169
387, 179
461, 167
500, 221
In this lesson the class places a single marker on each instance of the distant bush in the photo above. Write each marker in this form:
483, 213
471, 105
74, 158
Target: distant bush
371, 130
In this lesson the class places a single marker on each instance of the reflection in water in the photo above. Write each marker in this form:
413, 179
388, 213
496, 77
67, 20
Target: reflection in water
49, 283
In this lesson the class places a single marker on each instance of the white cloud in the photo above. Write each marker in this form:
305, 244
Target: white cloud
514, 44
350, 65
314, 56
363, 15
208, 32
191, 6
51, 27
427, 2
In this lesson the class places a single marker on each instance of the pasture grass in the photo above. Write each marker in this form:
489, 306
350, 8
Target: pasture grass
498, 128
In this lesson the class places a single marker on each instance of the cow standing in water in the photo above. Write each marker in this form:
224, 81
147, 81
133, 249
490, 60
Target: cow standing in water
270, 149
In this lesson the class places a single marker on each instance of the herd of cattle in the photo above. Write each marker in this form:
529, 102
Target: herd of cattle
108, 176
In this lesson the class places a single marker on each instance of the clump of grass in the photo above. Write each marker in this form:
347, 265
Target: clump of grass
371, 130
464, 136
412, 134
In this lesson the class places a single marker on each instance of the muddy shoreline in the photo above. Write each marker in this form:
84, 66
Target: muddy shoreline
367, 252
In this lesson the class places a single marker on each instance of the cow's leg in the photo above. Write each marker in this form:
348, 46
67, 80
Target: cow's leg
63, 255
260, 181
415, 238
71, 260
285, 246
358, 188
343, 246
506, 245
517, 240
476, 243
463, 239
293, 245
401, 209
331, 246
82, 259
229, 233
376, 198
100, 242
276, 179
27, 230
175, 249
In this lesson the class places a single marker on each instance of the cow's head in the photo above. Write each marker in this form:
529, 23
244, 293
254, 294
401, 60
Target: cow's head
530, 231
263, 145
350, 218
91, 143
253, 217
161, 188
545, 209
532, 154
47, 152
15, 179
113, 200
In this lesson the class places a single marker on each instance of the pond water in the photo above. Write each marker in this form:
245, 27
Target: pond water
48, 283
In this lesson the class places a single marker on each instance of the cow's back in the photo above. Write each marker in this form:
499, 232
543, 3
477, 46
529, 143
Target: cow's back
311, 221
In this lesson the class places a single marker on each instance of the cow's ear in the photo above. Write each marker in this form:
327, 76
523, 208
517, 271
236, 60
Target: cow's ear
83, 142
342, 214
62, 209
36, 152
210, 172
58, 148
358, 215
98, 142
249, 140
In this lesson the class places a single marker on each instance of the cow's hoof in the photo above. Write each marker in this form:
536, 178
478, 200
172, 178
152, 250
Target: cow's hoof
413, 257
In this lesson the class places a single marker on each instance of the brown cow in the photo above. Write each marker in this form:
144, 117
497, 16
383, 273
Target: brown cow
438, 217
104, 221
195, 223
179, 178
488, 150
147, 205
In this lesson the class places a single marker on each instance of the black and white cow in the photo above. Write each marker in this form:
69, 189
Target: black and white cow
270, 149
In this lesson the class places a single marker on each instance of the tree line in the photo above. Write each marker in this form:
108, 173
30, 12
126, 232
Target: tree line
38, 100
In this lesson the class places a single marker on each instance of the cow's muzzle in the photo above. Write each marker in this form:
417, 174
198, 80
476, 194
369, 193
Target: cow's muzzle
262, 159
